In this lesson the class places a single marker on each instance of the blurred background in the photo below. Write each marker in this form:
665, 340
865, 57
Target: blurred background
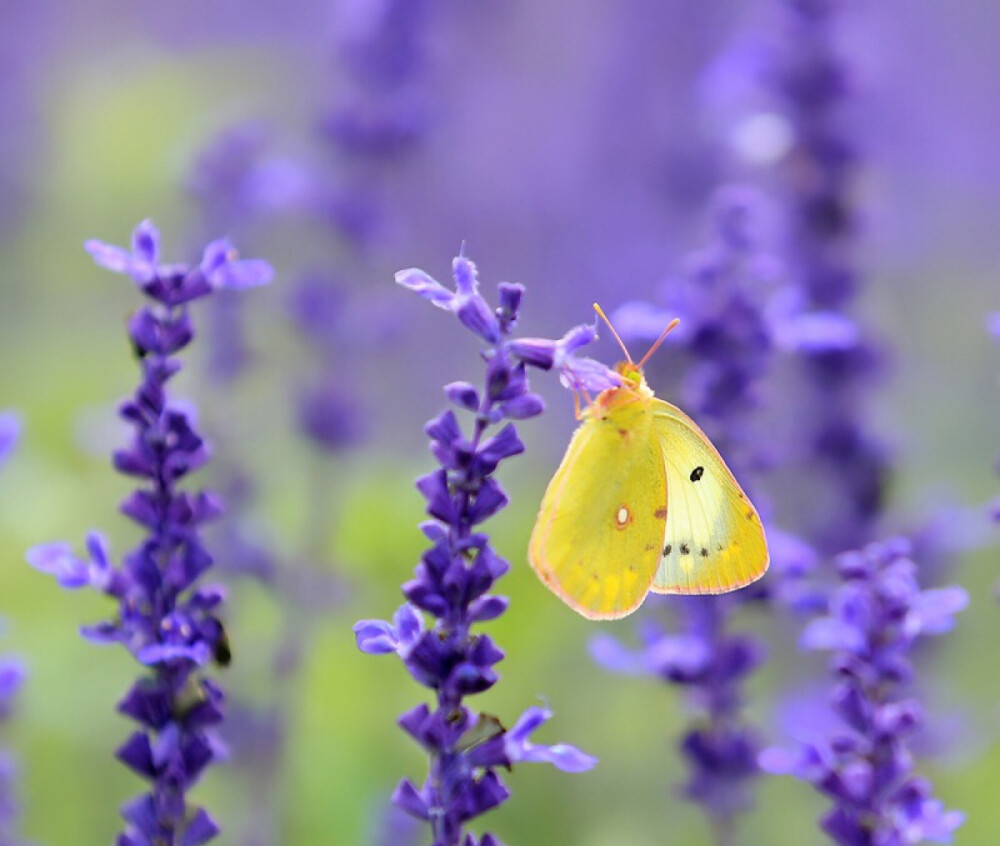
573, 150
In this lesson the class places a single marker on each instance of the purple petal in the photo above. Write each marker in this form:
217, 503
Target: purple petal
146, 243
141, 812
612, 655
503, 444
932, 610
588, 375
833, 634
640, 320
375, 637
57, 559
562, 756
529, 721
102, 633
523, 407
201, 829
110, 257
159, 653
818, 331
423, 285
577, 337
477, 316
408, 798
242, 274
408, 626
463, 395
538, 352
465, 275
12, 676
778, 761
487, 608
97, 548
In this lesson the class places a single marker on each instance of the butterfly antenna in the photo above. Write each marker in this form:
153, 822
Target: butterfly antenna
670, 328
621, 343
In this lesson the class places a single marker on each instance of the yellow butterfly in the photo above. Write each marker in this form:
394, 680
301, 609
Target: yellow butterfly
642, 502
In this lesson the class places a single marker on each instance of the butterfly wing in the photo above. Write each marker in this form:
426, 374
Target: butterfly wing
713, 540
598, 538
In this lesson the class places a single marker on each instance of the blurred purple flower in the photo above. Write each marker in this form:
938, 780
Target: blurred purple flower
727, 338
12, 676
169, 624
877, 614
10, 433
26, 38
382, 53
454, 579
810, 84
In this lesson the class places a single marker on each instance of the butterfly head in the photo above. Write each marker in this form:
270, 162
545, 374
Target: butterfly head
630, 372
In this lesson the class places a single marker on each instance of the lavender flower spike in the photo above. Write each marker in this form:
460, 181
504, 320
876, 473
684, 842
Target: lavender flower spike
455, 576
876, 615
169, 624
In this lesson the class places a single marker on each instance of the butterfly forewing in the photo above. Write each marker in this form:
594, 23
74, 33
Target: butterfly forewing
713, 538
598, 539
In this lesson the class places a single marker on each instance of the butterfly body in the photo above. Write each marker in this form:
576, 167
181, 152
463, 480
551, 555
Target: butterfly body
642, 502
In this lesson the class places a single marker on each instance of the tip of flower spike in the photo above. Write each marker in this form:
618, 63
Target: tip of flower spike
465, 273
146, 242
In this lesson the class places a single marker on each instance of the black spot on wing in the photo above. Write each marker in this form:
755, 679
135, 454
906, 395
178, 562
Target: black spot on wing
685, 549
697, 473
704, 552
667, 550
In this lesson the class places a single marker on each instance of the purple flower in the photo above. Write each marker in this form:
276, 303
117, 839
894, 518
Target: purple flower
166, 619
456, 575
10, 433
176, 284
575, 372
809, 83
876, 615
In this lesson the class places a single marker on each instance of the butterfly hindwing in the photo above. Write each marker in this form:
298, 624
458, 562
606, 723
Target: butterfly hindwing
598, 539
713, 539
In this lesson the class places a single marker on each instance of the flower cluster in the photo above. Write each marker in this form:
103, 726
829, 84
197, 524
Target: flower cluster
456, 574
169, 623
877, 613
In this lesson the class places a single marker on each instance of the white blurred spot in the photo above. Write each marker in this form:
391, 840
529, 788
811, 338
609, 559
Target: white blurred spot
763, 138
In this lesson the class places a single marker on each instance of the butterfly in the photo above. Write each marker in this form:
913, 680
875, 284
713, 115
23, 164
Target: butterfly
641, 502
